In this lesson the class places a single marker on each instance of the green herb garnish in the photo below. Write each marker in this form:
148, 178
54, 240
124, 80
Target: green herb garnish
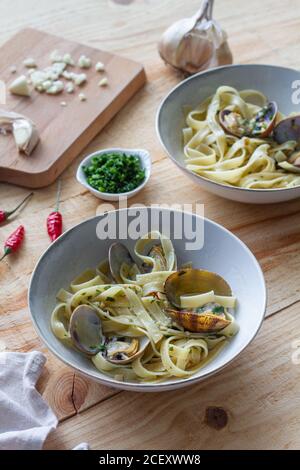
218, 309
114, 172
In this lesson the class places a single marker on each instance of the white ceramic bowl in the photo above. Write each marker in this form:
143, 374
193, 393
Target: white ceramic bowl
275, 82
79, 248
145, 159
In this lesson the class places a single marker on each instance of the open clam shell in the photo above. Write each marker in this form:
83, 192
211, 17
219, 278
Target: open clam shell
117, 255
198, 323
287, 129
260, 126
194, 281
126, 350
86, 330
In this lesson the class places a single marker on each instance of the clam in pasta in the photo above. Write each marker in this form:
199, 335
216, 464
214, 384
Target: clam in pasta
146, 321
240, 139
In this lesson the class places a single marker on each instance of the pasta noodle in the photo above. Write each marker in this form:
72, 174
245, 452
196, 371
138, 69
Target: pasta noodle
137, 309
246, 162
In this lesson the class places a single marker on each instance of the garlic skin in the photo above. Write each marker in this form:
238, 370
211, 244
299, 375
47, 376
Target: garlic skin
196, 43
23, 129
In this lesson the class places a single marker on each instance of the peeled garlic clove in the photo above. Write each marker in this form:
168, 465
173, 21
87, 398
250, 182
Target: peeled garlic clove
23, 129
20, 86
196, 43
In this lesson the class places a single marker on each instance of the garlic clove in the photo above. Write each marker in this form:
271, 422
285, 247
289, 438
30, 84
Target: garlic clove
196, 43
20, 86
26, 135
23, 129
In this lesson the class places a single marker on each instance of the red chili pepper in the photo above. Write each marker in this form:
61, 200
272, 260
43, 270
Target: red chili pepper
14, 241
4, 215
54, 220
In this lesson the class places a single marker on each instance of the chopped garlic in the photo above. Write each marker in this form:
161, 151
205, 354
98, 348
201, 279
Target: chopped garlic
38, 77
103, 82
68, 75
56, 87
30, 63
55, 71
63, 103
79, 79
70, 87
67, 59
46, 85
99, 67
82, 97
13, 69
20, 86
84, 62
55, 56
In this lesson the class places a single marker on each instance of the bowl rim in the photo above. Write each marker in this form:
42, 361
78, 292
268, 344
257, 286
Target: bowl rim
143, 387
179, 164
144, 156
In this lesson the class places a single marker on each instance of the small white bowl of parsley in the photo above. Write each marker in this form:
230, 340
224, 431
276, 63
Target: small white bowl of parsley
115, 172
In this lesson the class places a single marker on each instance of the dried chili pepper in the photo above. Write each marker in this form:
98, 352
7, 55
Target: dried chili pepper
4, 215
14, 241
54, 220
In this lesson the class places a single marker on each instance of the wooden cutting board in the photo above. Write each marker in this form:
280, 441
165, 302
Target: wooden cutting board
64, 131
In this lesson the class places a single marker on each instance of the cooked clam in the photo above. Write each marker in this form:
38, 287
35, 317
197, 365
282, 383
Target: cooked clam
86, 330
125, 350
287, 129
192, 282
259, 126
157, 254
118, 255
205, 322
188, 282
87, 336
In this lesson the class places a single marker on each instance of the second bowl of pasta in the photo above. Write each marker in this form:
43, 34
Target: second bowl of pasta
235, 131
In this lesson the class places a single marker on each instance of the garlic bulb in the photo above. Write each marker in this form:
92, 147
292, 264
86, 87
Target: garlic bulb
196, 43
23, 129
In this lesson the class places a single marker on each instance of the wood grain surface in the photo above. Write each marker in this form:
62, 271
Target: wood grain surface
260, 390
80, 121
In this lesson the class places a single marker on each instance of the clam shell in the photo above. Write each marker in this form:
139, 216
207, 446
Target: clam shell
198, 323
117, 255
194, 281
287, 129
86, 330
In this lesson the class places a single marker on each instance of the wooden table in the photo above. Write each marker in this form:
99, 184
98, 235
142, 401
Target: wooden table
261, 390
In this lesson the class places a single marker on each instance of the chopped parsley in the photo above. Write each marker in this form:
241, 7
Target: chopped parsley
218, 309
114, 172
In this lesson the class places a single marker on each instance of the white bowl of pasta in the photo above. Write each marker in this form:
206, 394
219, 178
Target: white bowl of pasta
234, 162
73, 278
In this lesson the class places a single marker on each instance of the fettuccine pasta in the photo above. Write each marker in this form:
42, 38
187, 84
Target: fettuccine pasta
136, 309
246, 162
